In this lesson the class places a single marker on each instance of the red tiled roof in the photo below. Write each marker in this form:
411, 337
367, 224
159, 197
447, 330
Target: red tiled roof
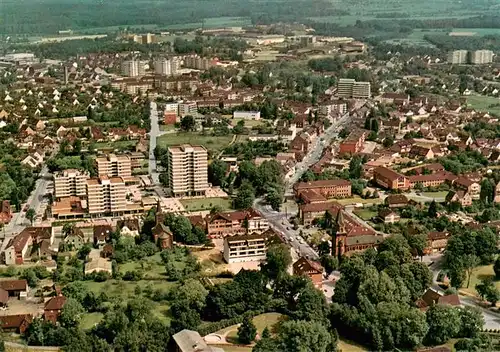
320, 183
55, 303
387, 173
14, 285
14, 321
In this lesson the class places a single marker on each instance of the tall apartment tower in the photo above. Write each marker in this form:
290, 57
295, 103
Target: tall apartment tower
132, 68
106, 195
69, 183
480, 57
349, 88
187, 170
114, 166
457, 57
166, 67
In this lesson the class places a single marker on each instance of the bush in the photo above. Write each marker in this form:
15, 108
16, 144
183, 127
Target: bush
133, 275
209, 328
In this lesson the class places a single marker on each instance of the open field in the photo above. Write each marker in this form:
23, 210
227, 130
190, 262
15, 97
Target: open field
349, 346
116, 145
89, 320
483, 103
248, 123
214, 22
206, 203
269, 320
365, 214
481, 272
479, 31
213, 143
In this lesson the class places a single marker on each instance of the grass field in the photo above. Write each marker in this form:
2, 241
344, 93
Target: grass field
89, 320
116, 145
349, 346
357, 199
213, 22
365, 214
206, 203
212, 143
269, 320
479, 31
481, 272
248, 123
482, 103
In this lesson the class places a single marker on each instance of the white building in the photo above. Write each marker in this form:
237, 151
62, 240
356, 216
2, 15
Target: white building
247, 115
133, 68
457, 57
480, 57
245, 248
166, 67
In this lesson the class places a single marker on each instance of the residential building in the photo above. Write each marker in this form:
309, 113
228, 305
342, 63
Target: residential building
198, 63
129, 227
388, 216
354, 143
113, 165
106, 195
98, 264
431, 297
15, 288
432, 180
166, 67
247, 115
15, 323
17, 248
390, 179
245, 248
132, 68
188, 108
191, 341
53, 308
349, 88
69, 183
5, 212
480, 57
466, 184
187, 170
395, 98
436, 242
313, 270
220, 225
326, 188
457, 57
396, 201
460, 196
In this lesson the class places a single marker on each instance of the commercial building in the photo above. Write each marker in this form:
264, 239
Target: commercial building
480, 57
132, 68
70, 183
187, 170
114, 166
245, 248
457, 57
166, 67
349, 88
247, 115
106, 195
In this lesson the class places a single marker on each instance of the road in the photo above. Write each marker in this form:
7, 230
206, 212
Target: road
153, 134
316, 151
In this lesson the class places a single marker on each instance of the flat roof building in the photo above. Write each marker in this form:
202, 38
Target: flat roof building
70, 182
187, 170
245, 248
106, 196
114, 165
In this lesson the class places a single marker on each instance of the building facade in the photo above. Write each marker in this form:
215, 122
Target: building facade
187, 170
132, 68
106, 195
457, 57
69, 183
390, 179
166, 67
114, 166
245, 248
480, 57
349, 88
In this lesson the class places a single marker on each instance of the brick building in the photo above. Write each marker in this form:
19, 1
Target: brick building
390, 179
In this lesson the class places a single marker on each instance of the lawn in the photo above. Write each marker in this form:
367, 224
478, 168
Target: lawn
212, 143
441, 194
116, 145
365, 214
206, 203
483, 103
269, 320
89, 320
349, 346
126, 288
481, 272
248, 123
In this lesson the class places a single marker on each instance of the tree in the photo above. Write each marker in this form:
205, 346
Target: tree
444, 323
487, 192
245, 197
278, 259
247, 331
298, 336
388, 142
432, 211
274, 198
71, 313
487, 290
188, 123
496, 268
329, 263
470, 261
472, 321
217, 172
355, 167
31, 215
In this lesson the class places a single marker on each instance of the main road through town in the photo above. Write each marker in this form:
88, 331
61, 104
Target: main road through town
279, 220
153, 134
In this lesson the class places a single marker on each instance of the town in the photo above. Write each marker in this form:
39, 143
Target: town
263, 188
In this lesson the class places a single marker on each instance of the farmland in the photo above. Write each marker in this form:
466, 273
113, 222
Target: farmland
484, 103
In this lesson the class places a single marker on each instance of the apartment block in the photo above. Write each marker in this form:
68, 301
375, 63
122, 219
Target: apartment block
198, 63
166, 67
245, 248
480, 57
114, 166
349, 88
457, 57
132, 68
390, 179
188, 108
326, 188
106, 195
70, 183
187, 170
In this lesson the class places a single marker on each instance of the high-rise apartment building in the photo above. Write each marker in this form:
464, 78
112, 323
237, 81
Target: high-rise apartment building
166, 67
187, 170
349, 88
458, 57
480, 57
188, 108
133, 68
114, 166
198, 63
70, 183
106, 195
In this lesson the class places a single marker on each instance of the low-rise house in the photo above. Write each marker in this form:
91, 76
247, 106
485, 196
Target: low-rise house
15, 288
17, 248
311, 269
326, 188
5, 212
191, 341
129, 227
418, 152
436, 242
53, 308
18, 323
459, 196
102, 234
98, 264
239, 222
387, 216
466, 184
431, 297
390, 179
75, 238
396, 201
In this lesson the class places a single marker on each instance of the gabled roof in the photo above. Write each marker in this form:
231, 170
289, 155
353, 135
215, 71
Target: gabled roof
14, 285
14, 321
306, 266
55, 303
